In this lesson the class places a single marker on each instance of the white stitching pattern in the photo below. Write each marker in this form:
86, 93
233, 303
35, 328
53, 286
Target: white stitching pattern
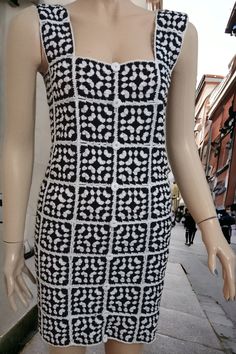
103, 219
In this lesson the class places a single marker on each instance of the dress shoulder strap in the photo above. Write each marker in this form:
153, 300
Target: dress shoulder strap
55, 32
171, 27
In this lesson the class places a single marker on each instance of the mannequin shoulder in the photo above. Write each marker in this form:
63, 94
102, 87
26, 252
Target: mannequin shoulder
23, 31
190, 37
25, 19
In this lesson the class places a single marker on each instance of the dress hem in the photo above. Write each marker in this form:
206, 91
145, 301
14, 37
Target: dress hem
97, 343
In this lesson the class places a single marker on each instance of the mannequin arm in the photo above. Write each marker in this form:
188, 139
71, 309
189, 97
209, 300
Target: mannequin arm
22, 58
186, 164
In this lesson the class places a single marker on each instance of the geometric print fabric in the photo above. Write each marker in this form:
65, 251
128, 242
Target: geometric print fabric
103, 217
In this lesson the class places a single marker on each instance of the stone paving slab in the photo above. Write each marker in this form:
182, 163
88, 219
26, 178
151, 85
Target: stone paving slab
212, 307
225, 332
185, 326
174, 268
181, 301
208, 288
178, 283
169, 345
219, 319
230, 345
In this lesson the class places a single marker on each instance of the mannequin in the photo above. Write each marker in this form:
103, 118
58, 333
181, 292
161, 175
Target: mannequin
24, 58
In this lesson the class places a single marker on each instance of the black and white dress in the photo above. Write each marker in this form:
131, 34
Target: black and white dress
103, 217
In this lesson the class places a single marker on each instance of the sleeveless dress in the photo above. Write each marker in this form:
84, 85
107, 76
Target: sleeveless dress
103, 216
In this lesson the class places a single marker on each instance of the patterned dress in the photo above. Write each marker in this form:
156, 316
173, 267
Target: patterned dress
103, 217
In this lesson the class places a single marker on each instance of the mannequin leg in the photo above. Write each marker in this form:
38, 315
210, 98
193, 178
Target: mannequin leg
116, 347
73, 349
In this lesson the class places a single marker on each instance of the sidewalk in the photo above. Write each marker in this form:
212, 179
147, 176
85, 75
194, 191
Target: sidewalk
194, 317
207, 287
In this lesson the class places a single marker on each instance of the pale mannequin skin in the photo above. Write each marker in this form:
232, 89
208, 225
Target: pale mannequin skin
125, 30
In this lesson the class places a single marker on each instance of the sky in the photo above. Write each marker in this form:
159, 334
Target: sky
210, 17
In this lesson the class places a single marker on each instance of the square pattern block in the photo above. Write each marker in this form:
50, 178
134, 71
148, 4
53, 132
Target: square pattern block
96, 122
147, 327
124, 299
129, 238
59, 200
61, 78
54, 330
54, 300
132, 204
135, 124
54, 269
87, 329
55, 236
92, 85
88, 270
160, 200
65, 117
126, 269
160, 235
79, 300
95, 204
159, 164
63, 162
90, 238
122, 327
131, 84
96, 164
132, 165
152, 297
57, 30
172, 38
156, 266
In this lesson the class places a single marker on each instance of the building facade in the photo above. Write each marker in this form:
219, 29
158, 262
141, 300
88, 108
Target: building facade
215, 116
215, 129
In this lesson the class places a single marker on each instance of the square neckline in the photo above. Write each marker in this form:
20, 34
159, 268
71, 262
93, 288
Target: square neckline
134, 61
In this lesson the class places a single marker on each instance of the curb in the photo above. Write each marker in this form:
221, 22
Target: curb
16, 338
